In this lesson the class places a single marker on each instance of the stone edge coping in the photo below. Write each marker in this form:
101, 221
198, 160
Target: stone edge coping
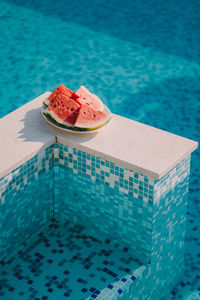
129, 144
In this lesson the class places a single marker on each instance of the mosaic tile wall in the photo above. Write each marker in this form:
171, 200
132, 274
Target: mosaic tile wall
114, 202
122, 231
117, 203
26, 197
168, 230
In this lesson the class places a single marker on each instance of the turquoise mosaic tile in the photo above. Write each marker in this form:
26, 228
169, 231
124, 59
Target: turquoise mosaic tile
144, 215
116, 205
56, 179
26, 200
64, 263
168, 230
120, 234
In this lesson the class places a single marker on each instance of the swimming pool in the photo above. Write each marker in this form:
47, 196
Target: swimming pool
145, 68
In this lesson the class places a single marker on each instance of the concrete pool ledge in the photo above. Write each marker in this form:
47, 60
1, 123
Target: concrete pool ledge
129, 144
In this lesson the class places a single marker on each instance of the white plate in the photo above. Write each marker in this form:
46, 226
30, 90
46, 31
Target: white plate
106, 110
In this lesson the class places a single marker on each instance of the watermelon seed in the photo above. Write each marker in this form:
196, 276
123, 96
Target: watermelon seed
84, 112
62, 105
87, 103
94, 115
54, 105
72, 109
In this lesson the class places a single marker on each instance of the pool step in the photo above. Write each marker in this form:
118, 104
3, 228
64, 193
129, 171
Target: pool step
64, 262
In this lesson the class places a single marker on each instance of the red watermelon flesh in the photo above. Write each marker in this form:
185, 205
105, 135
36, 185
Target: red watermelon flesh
83, 92
90, 119
60, 89
63, 110
86, 98
63, 90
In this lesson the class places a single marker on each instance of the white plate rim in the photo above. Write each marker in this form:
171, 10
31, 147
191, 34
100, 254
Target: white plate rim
106, 110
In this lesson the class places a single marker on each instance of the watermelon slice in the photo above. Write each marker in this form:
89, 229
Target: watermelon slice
86, 98
63, 110
83, 92
90, 119
60, 90
80, 111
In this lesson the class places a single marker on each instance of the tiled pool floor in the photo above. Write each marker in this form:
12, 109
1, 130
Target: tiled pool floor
62, 262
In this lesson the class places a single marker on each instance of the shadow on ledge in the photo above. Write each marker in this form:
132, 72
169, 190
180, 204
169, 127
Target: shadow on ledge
37, 129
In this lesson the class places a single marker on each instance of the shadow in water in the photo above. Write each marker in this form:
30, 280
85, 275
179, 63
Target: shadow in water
172, 105
172, 27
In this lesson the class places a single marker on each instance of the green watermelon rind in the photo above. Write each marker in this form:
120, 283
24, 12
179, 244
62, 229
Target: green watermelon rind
46, 102
51, 115
91, 128
74, 128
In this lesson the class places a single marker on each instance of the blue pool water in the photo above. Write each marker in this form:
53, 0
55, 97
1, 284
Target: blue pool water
141, 57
